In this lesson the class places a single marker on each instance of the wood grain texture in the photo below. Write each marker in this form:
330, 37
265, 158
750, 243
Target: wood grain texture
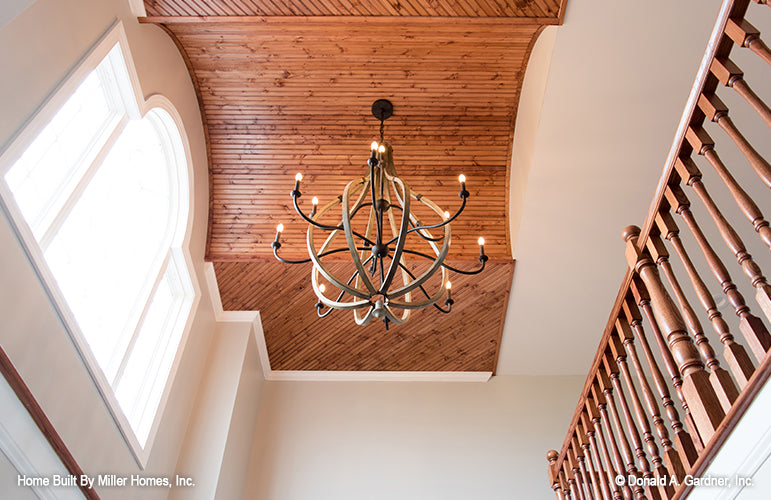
287, 87
464, 340
406, 8
277, 101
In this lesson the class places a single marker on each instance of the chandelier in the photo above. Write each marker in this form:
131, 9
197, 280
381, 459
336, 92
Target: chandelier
396, 241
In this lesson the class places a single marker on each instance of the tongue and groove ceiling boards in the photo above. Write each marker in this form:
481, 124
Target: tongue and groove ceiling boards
287, 86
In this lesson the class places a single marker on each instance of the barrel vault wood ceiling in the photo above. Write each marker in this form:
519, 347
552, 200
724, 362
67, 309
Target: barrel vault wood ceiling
287, 86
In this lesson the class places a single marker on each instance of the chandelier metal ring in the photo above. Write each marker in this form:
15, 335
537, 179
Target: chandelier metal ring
378, 258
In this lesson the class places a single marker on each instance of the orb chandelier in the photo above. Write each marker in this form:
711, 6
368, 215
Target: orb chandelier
396, 241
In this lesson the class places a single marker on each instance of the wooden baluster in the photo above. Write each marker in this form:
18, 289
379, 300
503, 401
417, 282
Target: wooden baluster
716, 111
554, 479
619, 353
565, 487
730, 75
605, 472
611, 374
755, 332
600, 489
643, 299
572, 482
721, 380
703, 403
602, 407
671, 462
597, 438
744, 34
690, 174
581, 454
735, 355
572, 461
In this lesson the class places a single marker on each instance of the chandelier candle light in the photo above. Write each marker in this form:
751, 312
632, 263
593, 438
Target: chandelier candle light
387, 288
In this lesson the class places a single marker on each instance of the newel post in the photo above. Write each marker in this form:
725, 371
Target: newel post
554, 478
697, 389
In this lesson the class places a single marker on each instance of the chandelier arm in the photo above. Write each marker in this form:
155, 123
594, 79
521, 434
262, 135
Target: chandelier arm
416, 228
305, 261
435, 226
325, 314
349, 237
356, 210
402, 240
440, 254
422, 289
392, 223
331, 303
287, 261
379, 211
482, 259
390, 316
444, 223
367, 318
401, 304
430, 204
448, 311
320, 305
318, 266
311, 221
324, 226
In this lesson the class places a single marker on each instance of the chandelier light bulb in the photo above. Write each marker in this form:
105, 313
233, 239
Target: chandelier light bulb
322, 288
462, 178
449, 285
482, 256
276, 244
381, 149
315, 202
446, 215
373, 146
297, 179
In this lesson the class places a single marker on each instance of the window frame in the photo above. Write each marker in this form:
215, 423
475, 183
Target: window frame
176, 253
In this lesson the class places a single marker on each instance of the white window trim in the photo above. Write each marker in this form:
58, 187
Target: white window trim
137, 106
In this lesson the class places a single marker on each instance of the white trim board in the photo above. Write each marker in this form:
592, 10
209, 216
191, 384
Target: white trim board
743, 455
322, 375
28, 450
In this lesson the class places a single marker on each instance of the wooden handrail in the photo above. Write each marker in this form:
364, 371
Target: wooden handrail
702, 396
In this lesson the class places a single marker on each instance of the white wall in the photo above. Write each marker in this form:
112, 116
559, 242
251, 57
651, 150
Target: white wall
37, 50
215, 454
9, 475
414, 440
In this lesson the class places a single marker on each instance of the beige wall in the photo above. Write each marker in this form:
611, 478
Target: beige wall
216, 450
411, 441
37, 50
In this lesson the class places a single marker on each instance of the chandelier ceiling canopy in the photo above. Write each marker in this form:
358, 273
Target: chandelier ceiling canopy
395, 239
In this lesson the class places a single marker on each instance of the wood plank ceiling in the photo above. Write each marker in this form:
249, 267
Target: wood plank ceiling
287, 86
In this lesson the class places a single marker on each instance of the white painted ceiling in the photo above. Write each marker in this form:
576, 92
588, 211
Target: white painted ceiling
614, 87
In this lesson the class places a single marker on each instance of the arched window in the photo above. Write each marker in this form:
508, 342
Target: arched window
97, 187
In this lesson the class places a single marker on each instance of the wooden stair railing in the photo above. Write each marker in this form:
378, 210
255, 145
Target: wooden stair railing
659, 417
